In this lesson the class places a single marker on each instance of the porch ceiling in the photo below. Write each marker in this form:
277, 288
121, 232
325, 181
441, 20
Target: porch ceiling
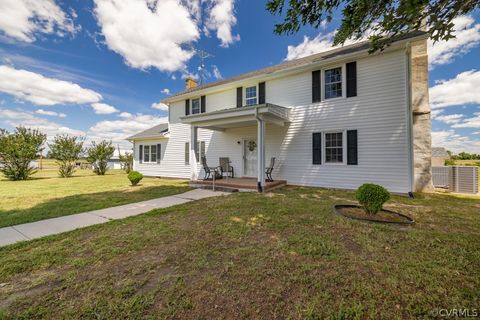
239, 117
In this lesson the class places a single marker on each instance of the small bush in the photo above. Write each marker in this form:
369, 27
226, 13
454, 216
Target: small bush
135, 177
372, 197
449, 162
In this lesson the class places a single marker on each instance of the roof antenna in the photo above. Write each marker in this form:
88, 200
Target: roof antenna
202, 55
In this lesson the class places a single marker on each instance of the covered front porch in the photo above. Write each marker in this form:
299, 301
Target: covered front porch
252, 163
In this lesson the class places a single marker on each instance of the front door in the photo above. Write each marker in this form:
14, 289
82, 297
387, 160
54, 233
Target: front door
250, 158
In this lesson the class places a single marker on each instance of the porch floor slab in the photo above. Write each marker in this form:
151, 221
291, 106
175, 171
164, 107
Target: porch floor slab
240, 183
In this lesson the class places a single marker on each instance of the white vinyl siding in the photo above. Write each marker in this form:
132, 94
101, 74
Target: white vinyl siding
378, 112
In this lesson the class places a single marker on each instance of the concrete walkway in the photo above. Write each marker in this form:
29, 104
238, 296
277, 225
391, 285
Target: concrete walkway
38, 229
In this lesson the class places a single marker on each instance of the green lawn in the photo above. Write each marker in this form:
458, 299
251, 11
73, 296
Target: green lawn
262, 256
47, 196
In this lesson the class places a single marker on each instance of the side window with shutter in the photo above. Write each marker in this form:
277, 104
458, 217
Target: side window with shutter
159, 152
140, 153
352, 147
317, 148
261, 93
316, 86
203, 104
187, 107
187, 153
352, 79
239, 97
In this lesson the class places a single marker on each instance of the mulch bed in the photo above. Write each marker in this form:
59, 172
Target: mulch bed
383, 216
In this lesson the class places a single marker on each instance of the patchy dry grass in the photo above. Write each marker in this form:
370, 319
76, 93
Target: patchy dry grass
48, 196
280, 255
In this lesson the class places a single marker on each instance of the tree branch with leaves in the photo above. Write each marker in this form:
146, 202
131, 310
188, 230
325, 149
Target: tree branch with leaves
375, 18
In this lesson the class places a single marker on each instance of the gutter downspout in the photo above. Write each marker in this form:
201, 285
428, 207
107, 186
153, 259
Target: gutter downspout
409, 121
261, 152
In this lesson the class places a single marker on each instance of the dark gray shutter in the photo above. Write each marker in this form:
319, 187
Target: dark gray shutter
140, 159
352, 79
203, 104
316, 86
261, 93
159, 152
352, 147
317, 148
197, 150
202, 149
187, 153
187, 107
239, 97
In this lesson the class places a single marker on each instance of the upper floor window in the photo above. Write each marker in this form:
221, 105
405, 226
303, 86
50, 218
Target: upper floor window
195, 106
251, 96
334, 147
333, 83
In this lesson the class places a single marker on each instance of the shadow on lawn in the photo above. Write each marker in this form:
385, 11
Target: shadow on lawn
64, 206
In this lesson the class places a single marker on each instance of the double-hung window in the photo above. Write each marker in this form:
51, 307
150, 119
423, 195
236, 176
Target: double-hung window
251, 96
195, 106
334, 147
150, 154
333, 83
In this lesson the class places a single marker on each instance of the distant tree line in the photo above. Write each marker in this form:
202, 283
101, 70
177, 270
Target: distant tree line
21, 147
464, 156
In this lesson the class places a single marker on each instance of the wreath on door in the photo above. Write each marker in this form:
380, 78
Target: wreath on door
252, 145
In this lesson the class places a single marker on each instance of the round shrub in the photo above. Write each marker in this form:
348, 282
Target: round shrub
372, 197
135, 177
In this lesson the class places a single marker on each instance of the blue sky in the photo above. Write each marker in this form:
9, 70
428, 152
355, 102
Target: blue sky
99, 68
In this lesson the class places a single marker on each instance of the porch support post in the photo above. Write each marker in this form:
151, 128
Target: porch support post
193, 152
261, 155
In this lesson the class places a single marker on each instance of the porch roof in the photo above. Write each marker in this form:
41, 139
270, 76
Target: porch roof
239, 117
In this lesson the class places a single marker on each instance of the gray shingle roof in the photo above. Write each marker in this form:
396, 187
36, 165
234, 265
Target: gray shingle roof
364, 45
153, 132
439, 152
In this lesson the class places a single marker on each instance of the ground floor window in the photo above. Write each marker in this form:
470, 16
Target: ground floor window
334, 147
150, 153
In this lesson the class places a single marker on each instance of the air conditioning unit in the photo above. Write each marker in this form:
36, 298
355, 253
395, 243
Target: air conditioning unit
463, 179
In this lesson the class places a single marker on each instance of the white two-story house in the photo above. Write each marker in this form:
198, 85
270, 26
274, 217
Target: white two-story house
336, 119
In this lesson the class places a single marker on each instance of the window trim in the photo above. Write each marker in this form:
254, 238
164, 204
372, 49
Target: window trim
324, 82
344, 148
150, 153
245, 95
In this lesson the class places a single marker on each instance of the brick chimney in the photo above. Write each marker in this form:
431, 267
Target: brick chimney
190, 83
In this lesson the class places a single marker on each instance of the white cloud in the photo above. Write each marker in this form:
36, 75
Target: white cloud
165, 91
221, 17
51, 113
160, 106
449, 118
467, 34
103, 108
23, 20
473, 122
118, 130
40, 90
125, 115
216, 73
148, 33
454, 142
461, 90
16, 118
321, 43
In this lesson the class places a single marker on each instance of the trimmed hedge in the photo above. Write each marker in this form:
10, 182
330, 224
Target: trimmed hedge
372, 197
135, 177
